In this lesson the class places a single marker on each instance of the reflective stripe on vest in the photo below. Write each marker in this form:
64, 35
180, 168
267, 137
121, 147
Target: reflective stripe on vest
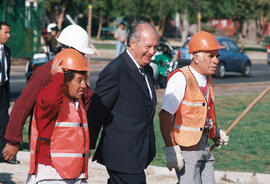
190, 118
69, 155
70, 124
193, 103
188, 128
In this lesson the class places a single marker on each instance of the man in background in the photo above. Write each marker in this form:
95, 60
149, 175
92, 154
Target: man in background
120, 35
52, 30
4, 85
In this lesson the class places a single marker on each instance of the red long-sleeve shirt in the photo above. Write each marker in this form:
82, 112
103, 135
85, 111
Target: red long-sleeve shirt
49, 100
24, 105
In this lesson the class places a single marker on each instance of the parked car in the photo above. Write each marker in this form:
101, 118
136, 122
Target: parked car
231, 59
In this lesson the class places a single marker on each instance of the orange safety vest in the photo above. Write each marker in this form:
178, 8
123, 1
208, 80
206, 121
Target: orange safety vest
190, 118
69, 142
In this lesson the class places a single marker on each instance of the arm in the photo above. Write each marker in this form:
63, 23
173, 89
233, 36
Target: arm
23, 108
166, 127
102, 101
48, 103
25, 104
86, 98
174, 94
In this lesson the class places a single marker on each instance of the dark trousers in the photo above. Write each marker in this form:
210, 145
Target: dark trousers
125, 178
4, 116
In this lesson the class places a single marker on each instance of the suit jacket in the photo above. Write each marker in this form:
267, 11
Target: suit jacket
122, 104
5, 90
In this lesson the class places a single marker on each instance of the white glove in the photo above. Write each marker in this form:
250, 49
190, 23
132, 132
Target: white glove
174, 157
222, 138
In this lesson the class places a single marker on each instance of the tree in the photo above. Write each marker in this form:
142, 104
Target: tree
101, 10
56, 9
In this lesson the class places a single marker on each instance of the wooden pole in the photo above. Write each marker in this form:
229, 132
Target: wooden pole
244, 113
199, 21
89, 27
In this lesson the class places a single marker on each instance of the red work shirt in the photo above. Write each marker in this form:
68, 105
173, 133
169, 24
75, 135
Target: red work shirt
24, 105
49, 100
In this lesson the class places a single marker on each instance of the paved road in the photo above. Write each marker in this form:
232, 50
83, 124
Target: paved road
260, 70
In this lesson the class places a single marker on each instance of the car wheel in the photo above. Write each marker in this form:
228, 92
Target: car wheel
247, 70
220, 72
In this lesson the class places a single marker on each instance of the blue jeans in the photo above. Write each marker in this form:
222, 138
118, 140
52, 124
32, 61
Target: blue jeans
120, 47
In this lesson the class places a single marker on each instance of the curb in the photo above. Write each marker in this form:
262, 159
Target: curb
155, 175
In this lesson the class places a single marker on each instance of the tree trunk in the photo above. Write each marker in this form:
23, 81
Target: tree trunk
185, 27
259, 29
162, 26
243, 28
100, 23
89, 23
61, 17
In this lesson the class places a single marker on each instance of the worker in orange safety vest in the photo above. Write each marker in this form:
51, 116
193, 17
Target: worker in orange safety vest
59, 142
187, 116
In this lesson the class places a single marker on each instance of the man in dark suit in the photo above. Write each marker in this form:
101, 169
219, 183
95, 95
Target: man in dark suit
4, 83
124, 103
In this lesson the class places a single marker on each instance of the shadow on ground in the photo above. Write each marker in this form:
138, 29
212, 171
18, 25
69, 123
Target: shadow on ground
6, 178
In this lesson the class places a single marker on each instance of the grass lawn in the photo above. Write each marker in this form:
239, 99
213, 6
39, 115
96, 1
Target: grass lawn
104, 46
249, 145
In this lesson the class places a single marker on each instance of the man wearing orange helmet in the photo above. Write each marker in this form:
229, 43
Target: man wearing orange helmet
59, 146
73, 36
187, 116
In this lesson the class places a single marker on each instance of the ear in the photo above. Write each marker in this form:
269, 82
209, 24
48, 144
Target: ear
196, 58
132, 43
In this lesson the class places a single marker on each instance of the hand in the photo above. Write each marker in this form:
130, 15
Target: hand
10, 151
222, 138
174, 157
56, 67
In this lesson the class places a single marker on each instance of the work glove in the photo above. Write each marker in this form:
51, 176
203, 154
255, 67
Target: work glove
174, 157
221, 138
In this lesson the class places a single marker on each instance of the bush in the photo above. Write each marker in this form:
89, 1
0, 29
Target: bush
266, 41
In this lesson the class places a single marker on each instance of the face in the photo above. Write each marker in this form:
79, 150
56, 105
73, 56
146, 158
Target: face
4, 34
122, 26
76, 86
143, 50
53, 32
208, 63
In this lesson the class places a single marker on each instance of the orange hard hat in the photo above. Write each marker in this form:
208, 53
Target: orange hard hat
72, 60
203, 41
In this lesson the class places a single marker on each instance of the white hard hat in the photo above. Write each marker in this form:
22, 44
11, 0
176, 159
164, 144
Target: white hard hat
76, 37
51, 27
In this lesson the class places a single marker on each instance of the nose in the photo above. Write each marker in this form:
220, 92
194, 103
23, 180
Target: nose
216, 60
153, 50
83, 84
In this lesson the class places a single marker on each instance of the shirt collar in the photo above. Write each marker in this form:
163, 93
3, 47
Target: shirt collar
138, 66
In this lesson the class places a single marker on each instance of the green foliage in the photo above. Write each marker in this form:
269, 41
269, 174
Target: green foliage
266, 41
244, 10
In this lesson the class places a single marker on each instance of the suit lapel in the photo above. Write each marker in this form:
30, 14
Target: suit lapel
135, 74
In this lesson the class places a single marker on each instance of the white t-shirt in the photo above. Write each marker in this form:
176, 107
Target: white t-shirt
175, 90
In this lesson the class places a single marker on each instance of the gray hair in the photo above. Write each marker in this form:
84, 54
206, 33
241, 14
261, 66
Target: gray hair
135, 32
